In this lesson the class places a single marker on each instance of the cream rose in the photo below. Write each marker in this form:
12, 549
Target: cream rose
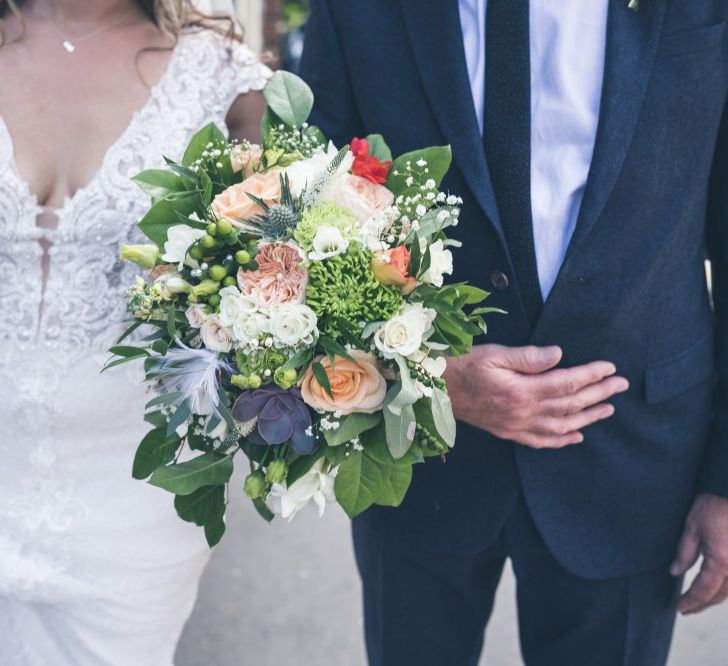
197, 314
235, 205
404, 333
215, 336
245, 158
292, 324
362, 198
356, 385
250, 327
235, 306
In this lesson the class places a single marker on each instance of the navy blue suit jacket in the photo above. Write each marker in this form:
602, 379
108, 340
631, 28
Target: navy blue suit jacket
632, 289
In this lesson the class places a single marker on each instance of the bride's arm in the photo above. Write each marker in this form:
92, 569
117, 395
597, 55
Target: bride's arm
243, 119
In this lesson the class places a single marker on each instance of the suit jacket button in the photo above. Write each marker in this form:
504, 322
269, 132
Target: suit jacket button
499, 280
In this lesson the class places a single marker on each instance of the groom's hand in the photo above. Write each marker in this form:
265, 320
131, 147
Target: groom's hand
706, 534
515, 394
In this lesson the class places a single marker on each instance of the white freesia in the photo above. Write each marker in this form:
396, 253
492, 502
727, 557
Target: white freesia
307, 172
292, 324
328, 242
180, 238
197, 314
404, 333
215, 336
235, 306
440, 263
315, 486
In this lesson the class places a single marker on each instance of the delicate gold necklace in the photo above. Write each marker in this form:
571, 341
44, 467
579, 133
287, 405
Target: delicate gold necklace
69, 45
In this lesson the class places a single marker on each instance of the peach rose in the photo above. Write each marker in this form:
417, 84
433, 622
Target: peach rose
362, 198
235, 205
245, 159
392, 267
279, 278
356, 385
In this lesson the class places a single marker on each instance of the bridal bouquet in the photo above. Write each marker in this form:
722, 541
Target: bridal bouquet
295, 314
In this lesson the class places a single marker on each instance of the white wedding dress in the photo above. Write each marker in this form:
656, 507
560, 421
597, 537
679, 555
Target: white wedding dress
96, 569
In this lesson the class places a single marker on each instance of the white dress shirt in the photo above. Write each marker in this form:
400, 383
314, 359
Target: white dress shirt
568, 39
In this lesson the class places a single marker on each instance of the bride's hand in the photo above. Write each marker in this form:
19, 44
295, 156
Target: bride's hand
515, 394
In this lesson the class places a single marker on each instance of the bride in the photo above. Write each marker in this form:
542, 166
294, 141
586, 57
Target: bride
95, 568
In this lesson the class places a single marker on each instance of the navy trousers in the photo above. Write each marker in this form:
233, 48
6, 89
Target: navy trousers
431, 609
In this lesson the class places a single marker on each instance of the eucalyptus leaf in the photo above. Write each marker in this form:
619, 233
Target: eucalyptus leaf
209, 469
289, 97
443, 416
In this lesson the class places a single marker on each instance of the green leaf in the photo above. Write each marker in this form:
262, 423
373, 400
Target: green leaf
351, 426
171, 322
438, 160
202, 506
156, 449
289, 97
400, 429
262, 508
378, 148
397, 479
214, 531
333, 347
163, 215
319, 372
358, 483
443, 416
133, 327
198, 144
180, 416
156, 419
301, 465
159, 183
210, 469
298, 360
375, 446
164, 399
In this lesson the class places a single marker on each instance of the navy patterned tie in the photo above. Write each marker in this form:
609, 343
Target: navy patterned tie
507, 137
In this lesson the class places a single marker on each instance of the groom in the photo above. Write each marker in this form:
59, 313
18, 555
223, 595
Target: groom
590, 147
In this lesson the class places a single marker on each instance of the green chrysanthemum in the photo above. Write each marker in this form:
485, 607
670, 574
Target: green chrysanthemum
324, 214
344, 286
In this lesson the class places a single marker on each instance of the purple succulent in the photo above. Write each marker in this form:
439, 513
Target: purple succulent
282, 416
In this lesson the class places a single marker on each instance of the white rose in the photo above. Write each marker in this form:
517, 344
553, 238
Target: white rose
215, 336
292, 324
250, 327
440, 263
404, 333
180, 238
315, 486
234, 306
197, 314
362, 198
307, 172
328, 242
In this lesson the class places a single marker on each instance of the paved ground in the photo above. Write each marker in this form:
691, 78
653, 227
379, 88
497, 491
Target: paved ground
289, 594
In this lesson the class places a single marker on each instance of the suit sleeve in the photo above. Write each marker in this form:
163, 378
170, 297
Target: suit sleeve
323, 67
714, 477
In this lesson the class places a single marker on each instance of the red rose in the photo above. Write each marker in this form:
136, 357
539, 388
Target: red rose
366, 165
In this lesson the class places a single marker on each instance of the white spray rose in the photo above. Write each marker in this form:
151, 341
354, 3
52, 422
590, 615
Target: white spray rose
440, 263
234, 306
250, 327
315, 486
180, 238
404, 333
197, 314
215, 336
328, 242
292, 324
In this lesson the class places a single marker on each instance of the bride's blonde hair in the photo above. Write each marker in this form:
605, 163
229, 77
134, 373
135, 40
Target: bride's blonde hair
170, 16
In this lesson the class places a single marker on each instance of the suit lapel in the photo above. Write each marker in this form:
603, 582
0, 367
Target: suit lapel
436, 39
632, 40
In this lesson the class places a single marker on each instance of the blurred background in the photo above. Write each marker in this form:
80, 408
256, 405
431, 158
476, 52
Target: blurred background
289, 593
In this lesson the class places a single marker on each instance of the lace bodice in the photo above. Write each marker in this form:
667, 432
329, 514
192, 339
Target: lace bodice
81, 305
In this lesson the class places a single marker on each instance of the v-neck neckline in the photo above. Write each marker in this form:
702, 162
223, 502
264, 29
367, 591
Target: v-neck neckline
154, 92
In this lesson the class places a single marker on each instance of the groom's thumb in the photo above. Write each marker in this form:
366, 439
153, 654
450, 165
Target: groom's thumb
530, 360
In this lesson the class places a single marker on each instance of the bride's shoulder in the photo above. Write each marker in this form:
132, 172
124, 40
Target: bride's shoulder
211, 48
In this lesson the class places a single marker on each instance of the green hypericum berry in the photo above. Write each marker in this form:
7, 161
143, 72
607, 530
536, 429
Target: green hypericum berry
212, 229
255, 485
196, 253
243, 257
276, 472
224, 228
218, 272
229, 281
214, 300
193, 298
207, 242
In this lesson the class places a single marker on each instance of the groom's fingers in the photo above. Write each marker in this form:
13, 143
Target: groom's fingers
707, 585
593, 394
549, 425
688, 551
535, 441
566, 382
